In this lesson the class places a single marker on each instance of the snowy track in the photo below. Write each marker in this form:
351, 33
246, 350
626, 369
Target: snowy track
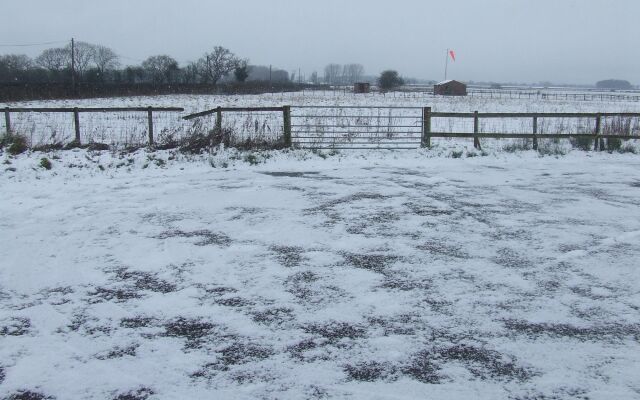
390, 276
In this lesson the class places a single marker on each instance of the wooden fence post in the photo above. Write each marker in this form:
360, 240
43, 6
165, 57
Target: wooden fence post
602, 140
535, 131
426, 127
76, 124
7, 121
597, 134
286, 119
219, 120
150, 120
476, 129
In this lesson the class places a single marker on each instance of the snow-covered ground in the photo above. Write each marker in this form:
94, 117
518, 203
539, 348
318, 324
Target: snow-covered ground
380, 275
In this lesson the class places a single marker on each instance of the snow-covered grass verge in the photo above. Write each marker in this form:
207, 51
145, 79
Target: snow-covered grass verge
289, 274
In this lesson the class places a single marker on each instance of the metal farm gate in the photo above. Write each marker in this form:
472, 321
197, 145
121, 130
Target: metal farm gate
356, 127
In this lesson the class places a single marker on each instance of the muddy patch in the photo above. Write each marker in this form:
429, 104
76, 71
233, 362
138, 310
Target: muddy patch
137, 394
205, 237
510, 258
336, 331
370, 262
138, 322
442, 249
28, 395
425, 210
115, 294
426, 365
370, 371
15, 326
288, 256
608, 333
118, 352
195, 332
273, 316
238, 353
422, 368
144, 281
308, 289
290, 174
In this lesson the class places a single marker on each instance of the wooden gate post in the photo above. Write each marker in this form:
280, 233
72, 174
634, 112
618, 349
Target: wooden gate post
476, 128
426, 127
219, 120
535, 132
597, 133
7, 121
150, 120
286, 119
76, 124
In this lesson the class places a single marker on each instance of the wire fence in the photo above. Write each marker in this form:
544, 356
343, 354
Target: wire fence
426, 92
111, 126
356, 127
307, 127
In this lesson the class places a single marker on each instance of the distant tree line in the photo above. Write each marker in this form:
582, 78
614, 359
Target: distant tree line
95, 64
614, 84
336, 74
87, 70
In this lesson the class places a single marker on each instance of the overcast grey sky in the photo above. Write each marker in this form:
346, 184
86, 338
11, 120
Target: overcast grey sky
572, 41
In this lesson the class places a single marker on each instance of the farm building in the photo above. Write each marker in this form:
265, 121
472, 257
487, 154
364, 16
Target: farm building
361, 87
450, 88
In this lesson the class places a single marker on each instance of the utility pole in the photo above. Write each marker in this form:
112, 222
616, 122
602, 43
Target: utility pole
73, 65
208, 68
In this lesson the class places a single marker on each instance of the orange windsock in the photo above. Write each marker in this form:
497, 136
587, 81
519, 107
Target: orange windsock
452, 54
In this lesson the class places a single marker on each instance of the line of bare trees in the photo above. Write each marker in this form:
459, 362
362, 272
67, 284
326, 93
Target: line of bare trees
100, 64
336, 74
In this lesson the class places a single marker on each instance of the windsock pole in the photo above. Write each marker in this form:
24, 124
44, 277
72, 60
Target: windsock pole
446, 64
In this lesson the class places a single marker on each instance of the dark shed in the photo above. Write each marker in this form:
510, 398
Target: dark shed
450, 88
361, 87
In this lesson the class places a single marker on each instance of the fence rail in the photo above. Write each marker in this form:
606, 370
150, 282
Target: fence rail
390, 127
76, 115
285, 110
361, 127
597, 134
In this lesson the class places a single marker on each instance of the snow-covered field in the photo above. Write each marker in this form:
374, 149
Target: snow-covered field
131, 128
380, 275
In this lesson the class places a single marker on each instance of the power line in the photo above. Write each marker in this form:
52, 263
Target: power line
32, 44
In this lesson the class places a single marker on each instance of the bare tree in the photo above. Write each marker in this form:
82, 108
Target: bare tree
16, 62
218, 64
161, 69
332, 73
105, 58
14, 67
353, 73
314, 78
241, 72
55, 59
83, 54
191, 73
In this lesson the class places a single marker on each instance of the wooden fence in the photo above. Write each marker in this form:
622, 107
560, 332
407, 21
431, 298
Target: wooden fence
597, 134
351, 137
285, 110
413, 126
75, 111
